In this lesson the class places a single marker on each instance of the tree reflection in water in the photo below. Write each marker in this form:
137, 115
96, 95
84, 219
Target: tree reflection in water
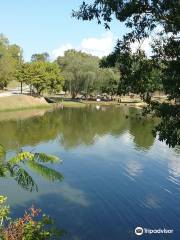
74, 127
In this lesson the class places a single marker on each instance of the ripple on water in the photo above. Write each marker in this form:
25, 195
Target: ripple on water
174, 169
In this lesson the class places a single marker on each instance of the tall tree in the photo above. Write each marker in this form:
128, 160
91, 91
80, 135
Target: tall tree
108, 81
10, 56
80, 71
41, 76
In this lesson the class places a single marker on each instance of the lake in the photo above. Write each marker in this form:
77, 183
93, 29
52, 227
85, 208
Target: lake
117, 176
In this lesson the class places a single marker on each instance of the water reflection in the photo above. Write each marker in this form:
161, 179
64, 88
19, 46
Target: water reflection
117, 176
152, 201
21, 115
174, 169
73, 195
75, 127
134, 168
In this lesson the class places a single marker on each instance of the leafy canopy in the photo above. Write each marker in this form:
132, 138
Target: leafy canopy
10, 57
40, 57
83, 74
41, 76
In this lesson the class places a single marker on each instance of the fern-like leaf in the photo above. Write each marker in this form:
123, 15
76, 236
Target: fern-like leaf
46, 172
23, 178
44, 158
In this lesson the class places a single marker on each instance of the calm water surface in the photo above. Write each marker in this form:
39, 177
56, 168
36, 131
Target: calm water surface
116, 175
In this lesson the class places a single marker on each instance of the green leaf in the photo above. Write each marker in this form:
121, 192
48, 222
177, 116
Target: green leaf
45, 172
42, 157
23, 178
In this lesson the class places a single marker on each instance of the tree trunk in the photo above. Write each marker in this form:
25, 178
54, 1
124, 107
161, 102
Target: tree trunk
73, 94
21, 87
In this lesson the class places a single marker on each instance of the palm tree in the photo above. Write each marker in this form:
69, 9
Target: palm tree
14, 167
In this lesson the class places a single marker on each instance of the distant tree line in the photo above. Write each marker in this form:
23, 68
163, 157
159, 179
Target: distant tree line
79, 73
83, 74
76, 72
10, 58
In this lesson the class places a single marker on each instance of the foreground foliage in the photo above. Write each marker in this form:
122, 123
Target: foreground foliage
14, 168
33, 225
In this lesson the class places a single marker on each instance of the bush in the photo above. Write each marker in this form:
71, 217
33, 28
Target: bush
33, 225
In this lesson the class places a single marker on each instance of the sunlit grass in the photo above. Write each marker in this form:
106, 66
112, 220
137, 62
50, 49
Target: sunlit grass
21, 102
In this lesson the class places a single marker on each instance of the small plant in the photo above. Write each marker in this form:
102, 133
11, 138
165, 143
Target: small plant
33, 225
14, 168
4, 210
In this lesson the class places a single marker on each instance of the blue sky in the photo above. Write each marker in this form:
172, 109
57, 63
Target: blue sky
44, 25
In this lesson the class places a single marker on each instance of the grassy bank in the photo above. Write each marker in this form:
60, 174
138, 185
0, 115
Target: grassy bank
20, 102
124, 100
73, 104
84, 103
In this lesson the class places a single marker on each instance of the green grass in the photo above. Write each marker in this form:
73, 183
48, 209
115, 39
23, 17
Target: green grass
72, 104
103, 103
86, 103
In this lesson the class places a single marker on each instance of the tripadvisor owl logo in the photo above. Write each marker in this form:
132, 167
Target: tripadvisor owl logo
139, 231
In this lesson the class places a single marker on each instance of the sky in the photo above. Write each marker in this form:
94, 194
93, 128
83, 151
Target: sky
47, 26
39, 26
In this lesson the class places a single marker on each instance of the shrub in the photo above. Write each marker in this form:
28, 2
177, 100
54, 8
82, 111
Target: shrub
33, 225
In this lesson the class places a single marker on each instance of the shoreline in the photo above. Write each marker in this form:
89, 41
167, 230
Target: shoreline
67, 104
26, 102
